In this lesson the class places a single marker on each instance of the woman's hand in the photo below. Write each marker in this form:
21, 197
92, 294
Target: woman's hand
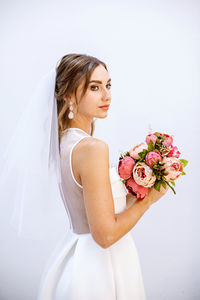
153, 195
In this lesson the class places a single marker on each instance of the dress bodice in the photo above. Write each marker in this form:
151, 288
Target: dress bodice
73, 191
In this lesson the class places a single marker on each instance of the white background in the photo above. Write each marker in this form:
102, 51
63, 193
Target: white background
151, 49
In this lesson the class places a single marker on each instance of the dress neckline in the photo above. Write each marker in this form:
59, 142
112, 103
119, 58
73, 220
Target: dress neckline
74, 129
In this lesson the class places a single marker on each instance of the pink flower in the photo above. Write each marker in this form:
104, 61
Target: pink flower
125, 167
168, 141
143, 175
174, 152
137, 149
136, 190
152, 137
153, 156
173, 166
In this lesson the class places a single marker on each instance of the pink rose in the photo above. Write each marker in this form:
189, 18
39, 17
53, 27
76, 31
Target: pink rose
125, 167
152, 137
173, 166
143, 175
153, 156
137, 149
136, 190
174, 152
168, 141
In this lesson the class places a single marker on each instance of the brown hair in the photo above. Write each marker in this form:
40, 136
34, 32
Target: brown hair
71, 71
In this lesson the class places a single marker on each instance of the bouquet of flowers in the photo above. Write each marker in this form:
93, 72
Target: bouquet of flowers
151, 163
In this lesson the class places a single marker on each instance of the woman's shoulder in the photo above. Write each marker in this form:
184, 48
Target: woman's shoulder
90, 142
92, 153
91, 146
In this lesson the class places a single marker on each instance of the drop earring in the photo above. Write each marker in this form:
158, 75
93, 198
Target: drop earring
71, 114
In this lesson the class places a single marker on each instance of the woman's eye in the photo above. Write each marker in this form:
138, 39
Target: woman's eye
94, 86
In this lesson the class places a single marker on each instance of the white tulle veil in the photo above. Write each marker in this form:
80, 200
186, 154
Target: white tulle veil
30, 176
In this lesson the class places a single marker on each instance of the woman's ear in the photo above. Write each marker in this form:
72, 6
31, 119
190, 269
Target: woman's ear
65, 98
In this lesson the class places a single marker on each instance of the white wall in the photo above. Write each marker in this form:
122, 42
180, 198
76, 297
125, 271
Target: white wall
151, 49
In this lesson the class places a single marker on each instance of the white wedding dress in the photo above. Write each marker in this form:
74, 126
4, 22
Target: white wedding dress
79, 268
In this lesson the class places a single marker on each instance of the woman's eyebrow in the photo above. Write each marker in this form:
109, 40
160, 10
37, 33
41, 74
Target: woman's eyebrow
98, 81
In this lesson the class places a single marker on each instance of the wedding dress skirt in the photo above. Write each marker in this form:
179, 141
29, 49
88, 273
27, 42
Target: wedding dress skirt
80, 269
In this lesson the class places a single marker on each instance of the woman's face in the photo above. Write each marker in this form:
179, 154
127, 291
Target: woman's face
98, 93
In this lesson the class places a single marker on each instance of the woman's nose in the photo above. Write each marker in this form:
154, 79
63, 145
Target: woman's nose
106, 94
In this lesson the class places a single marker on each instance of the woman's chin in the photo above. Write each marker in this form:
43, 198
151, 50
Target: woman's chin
102, 116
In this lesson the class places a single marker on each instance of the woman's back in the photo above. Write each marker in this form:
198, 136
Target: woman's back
79, 268
73, 191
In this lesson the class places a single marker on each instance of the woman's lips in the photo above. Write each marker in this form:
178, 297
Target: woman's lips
105, 107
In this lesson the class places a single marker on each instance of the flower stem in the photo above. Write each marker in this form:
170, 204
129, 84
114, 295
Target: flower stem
170, 187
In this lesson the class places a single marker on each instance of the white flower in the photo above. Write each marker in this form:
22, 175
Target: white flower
173, 167
137, 149
142, 175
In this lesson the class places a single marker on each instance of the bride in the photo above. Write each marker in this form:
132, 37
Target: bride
97, 258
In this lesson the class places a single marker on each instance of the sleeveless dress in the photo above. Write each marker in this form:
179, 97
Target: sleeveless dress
79, 268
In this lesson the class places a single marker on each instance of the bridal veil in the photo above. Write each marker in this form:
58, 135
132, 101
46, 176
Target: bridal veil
30, 176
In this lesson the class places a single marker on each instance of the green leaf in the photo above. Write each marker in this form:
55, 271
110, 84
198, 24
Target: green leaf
157, 185
164, 184
157, 134
184, 162
145, 151
150, 146
141, 154
124, 180
165, 173
172, 182
183, 173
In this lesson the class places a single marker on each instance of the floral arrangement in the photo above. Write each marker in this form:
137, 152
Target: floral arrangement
151, 163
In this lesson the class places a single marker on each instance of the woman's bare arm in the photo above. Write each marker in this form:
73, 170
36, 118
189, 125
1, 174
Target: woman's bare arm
106, 227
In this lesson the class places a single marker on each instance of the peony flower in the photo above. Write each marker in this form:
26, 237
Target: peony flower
136, 190
143, 175
173, 166
168, 141
152, 137
174, 152
125, 167
137, 149
153, 156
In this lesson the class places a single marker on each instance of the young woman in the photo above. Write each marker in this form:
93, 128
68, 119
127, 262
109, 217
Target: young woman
98, 259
